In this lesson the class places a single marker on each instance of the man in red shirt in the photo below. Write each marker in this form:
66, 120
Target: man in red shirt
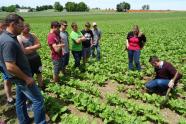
55, 45
164, 75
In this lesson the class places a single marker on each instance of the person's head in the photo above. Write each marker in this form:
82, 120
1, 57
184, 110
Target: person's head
154, 61
26, 28
74, 26
94, 25
2, 25
64, 25
87, 26
14, 23
135, 29
55, 27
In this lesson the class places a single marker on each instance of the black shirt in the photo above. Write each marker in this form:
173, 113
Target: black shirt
88, 35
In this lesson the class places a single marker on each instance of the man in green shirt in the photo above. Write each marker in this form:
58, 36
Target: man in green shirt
76, 38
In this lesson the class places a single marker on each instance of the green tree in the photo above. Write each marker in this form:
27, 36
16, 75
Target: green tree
82, 7
123, 7
11, 8
70, 6
58, 6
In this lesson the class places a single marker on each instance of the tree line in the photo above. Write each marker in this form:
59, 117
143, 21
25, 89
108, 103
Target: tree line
124, 7
69, 7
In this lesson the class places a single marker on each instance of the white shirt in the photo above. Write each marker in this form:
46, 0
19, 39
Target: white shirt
161, 64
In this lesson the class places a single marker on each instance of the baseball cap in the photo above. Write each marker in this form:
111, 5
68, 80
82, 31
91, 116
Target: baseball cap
94, 24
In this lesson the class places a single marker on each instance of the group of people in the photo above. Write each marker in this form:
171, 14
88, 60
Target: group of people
17, 50
19, 60
83, 44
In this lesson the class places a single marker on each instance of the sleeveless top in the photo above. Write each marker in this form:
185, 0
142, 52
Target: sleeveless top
29, 41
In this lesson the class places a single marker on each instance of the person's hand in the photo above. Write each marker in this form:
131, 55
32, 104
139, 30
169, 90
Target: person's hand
61, 45
171, 84
140, 34
83, 38
29, 81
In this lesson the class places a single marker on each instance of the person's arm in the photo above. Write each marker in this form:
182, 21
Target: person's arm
81, 39
92, 39
36, 45
9, 53
100, 35
127, 43
58, 47
15, 70
26, 51
173, 71
127, 40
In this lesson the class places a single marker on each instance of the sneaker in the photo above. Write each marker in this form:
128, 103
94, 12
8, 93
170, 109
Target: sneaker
12, 102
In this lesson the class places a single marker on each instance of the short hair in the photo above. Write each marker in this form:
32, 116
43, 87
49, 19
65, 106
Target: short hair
15, 18
55, 24
26, 25
154, 59
63, 21
73, 24
87, 24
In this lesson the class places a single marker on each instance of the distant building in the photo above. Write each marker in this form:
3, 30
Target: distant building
23, 10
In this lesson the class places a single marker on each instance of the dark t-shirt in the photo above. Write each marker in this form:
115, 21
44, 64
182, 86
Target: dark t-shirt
10, 51
88, 35
167, 72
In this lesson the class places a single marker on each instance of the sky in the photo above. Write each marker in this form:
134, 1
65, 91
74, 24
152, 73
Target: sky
103, 4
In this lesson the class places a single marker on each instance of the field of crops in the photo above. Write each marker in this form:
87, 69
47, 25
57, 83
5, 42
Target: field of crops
107, 92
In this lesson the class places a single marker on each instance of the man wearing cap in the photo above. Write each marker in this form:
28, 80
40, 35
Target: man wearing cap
96, 41
55, 45
87, 33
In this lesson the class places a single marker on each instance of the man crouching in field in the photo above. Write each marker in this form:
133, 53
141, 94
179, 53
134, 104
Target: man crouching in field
164, 75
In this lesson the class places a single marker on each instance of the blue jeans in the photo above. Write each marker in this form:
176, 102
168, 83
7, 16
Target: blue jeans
65, 60
97, 47
134, 55
157, 85
24, 92
77, 57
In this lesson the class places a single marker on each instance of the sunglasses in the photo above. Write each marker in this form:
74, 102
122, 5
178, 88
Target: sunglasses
65, 25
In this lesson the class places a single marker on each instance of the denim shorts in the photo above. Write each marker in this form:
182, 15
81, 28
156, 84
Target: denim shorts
57, 66
5, 75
